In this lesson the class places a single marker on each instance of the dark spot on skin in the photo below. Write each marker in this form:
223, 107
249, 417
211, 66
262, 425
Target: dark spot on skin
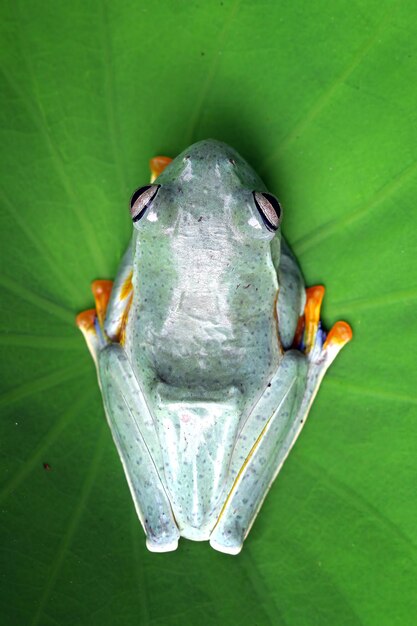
246, 286
269, 384
232, 161
46, 467
200, 219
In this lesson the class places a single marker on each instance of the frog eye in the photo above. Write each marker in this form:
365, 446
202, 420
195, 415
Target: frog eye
141, 199
269, 208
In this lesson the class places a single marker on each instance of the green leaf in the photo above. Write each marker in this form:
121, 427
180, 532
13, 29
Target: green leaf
321, 99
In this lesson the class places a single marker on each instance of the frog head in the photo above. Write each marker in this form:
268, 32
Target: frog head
207, 192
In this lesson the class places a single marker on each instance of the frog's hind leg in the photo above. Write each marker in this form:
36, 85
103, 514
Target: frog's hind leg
258, 452
137, 442
275, 423
126, 410
133, 433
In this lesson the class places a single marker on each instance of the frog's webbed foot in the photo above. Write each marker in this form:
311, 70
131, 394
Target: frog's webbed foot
320, 348
106, 323
91, 321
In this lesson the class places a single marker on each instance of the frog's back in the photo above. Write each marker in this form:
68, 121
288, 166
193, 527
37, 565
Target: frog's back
214, 327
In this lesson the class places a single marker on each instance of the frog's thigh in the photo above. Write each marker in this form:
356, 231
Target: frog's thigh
259, 464
136, 441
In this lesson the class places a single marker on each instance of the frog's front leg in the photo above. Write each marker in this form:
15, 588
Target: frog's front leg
275, 423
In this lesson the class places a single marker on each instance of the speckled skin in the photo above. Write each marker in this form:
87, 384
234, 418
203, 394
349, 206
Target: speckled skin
205, 372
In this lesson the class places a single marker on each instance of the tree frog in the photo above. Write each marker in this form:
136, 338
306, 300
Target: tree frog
208, 347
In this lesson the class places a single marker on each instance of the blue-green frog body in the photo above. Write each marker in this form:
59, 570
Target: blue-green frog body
208, 351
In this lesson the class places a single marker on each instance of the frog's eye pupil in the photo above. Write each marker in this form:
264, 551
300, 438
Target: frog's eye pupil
141, 199
269, 209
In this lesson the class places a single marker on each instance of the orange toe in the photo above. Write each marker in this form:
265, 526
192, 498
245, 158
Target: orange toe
101, 291
157, 166
313, 302
339, 335
85, 320
312, 314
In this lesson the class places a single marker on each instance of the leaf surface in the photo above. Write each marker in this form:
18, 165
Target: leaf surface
321, 99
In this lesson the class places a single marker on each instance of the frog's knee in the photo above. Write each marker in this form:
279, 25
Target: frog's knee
105, 356
293, 365
229, 534
232, 548
111, 358
292, 362
162, 546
